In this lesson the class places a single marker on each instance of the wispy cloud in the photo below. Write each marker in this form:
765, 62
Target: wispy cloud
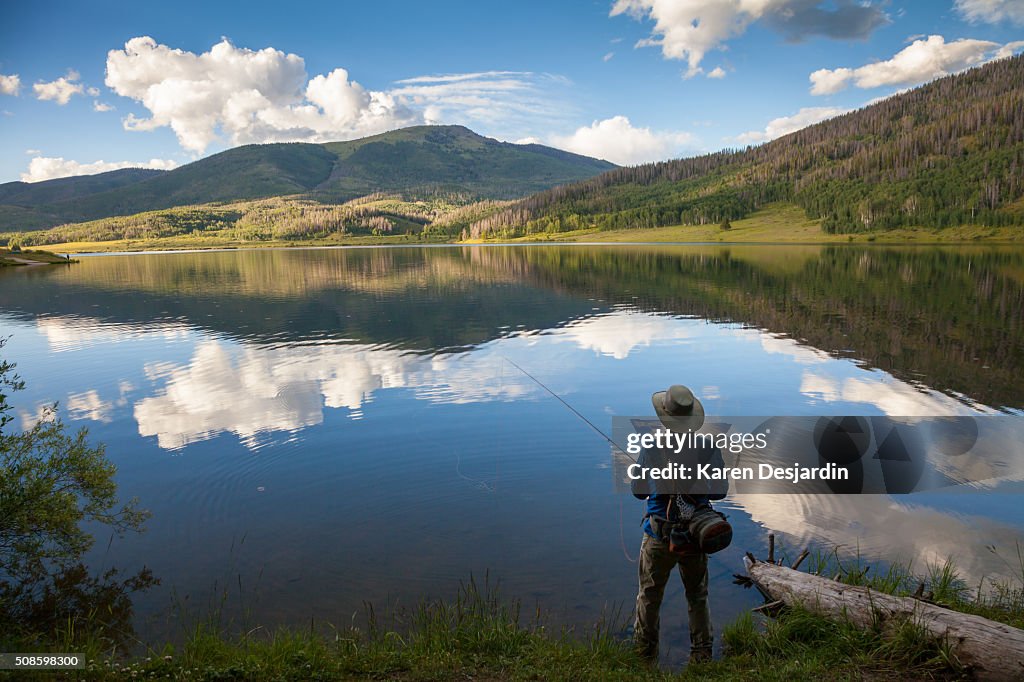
512, 100
991, 11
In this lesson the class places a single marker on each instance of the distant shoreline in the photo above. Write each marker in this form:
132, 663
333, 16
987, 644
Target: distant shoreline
618, 238
774, 224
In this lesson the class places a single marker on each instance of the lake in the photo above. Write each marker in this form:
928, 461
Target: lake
313, 429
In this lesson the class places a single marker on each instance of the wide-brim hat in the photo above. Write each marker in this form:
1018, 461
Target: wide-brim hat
678, 409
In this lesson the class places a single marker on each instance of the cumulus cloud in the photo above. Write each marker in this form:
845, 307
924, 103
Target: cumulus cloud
10, 85
617, 140
689, 29
717, 72
61, 90
47, 168
249, 96
991, 11
101, 106
785, 125
921, 61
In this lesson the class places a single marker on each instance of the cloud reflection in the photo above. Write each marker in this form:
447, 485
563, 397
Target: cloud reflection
878, 525
890, 396
620, 333
248, 390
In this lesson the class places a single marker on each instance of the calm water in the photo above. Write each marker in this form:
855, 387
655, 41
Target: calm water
316, 428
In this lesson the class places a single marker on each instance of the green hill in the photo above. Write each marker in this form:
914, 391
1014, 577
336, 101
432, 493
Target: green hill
450, 158
419, 160
948, 153
23, 203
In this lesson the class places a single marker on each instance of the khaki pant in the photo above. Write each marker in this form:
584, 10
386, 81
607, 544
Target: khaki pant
655, 568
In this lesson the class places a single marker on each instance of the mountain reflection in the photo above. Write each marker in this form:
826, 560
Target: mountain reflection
948, 319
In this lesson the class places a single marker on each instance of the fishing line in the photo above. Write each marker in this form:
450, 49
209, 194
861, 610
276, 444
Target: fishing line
571, 408
622, 535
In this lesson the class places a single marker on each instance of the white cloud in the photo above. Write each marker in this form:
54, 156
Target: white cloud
247, 96
991, 11
101, 106
920, 61
689, 29
47, 168
31, 152
784, 125
510, 99
616, 139
250, 96
608, 56
61, 90
717, 72
10, 85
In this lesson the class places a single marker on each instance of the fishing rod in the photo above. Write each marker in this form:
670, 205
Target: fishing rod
571, 408
622, 535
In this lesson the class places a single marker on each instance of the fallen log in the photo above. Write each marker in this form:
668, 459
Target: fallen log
991, 650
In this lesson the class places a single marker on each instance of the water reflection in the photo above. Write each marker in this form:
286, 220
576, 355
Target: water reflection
290, 386
895, 528
248, 390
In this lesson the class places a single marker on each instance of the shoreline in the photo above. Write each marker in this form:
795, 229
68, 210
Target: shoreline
774, 224
97, 249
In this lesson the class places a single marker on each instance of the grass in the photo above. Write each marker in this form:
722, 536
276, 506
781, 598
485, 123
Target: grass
777, 223
784, 223
480, 636
216, 241
28, 257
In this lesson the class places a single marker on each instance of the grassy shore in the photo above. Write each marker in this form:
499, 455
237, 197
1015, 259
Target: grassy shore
30, 257
483, 637
190, 243
785, 223
777, 223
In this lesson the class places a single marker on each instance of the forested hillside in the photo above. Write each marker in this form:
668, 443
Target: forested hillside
417, 163
948, 153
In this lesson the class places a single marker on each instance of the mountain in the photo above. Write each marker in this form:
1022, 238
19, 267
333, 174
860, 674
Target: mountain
450, 158
947, 153
20, 198
421, 159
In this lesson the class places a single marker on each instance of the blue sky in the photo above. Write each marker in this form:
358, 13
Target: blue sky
86, 87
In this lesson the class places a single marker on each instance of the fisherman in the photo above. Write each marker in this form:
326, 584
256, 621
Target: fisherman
679, 530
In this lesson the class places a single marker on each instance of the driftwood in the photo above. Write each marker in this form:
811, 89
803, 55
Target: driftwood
992, 651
